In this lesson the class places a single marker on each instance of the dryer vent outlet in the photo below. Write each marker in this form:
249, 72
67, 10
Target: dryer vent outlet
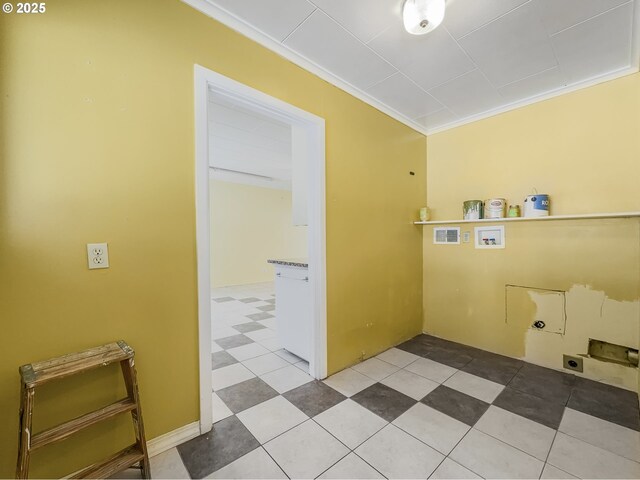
572, 363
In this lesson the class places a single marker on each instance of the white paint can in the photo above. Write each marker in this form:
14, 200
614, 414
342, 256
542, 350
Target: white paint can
537, 205
495, 208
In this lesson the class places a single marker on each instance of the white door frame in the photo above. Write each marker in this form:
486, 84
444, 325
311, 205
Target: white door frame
206, 81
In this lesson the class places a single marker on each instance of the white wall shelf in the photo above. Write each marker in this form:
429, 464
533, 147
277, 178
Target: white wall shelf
584, 216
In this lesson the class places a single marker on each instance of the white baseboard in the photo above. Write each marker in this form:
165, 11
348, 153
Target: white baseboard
173, 438
164, 442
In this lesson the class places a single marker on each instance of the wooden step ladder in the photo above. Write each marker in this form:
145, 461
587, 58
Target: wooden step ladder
36, 374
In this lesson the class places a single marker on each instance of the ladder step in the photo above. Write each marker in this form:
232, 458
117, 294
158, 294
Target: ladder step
35, 374
112, 465
67, 429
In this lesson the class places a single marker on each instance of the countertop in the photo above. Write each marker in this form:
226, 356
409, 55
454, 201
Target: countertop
290, 262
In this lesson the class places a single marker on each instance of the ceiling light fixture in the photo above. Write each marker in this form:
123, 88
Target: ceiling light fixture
422, 16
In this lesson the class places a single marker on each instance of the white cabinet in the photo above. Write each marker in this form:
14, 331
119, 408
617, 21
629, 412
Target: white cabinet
293, 309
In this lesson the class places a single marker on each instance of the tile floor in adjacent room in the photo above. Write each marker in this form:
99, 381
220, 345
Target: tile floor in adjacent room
426, 409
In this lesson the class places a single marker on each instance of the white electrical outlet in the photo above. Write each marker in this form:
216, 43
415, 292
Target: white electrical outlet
97, 255
465, 237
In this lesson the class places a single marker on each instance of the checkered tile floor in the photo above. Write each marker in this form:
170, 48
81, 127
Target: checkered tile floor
426, 409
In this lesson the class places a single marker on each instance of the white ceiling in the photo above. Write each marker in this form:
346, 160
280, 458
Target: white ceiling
248, 147
488, 56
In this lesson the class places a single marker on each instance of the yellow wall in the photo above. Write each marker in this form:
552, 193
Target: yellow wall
249, 225
583, 150
97, 144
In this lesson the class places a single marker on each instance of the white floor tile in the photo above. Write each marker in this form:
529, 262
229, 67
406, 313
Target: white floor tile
233, 308
220, 409
262, 334
491, 458
215, 347
245, 352
223, 332
167, 465
255, 464
552, 473
432, 370
306, 450
615, 438
350, 423
287, 378
272, 344
434, 428
410, 384
375, 369
232, 319
529, 436
302, 365
587, 461
230, 375
449, 469
349, 382
269, 323
351, 466
261, 303
271, 418
288, 356
397, 454
398, 357
265, 363
477, 387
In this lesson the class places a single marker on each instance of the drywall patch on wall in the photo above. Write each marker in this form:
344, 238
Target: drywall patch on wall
590, 314
535, 308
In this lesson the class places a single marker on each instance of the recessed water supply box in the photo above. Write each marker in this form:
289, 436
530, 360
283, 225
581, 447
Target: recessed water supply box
489, 237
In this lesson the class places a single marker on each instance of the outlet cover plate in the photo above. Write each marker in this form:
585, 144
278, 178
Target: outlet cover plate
97, 255
571, 362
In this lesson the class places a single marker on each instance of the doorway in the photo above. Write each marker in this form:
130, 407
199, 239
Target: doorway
308, 133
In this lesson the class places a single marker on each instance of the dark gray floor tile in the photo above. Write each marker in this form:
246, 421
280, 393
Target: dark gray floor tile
438, 350
248, 327
271, 301
494, 367
606, 402
221, 359
267, 308
384, 401
314, 397
259, 316
530, 406
223, 299
458, 405
458, 348
249, 300
233, 341
228, 441
499, 359
246, 394
544, 383
429, 340
452, 357
414, 346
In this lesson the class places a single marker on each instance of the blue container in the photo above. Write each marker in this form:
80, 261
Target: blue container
537, 205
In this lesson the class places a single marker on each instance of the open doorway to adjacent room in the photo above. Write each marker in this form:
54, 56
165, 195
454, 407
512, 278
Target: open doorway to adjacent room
261, 244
